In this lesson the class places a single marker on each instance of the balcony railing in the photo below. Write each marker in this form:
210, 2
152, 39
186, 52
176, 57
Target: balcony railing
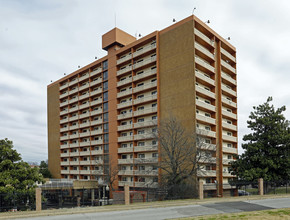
199, 74
205, 92
205, 119
144, 62
96, 92
203, 50
145, 49
146, 148
145, 86
228, 66
125, 127
124, 104
86, 76
229, 138
125, 149
64, 163
125, 81
204, 37
145, 99
125, 172
124, 70
97, 122
146, 172
229, 102
228, 90
125, 58
125, 161
126, 115
146, 160
229, 126
228, 55
228, 78
143, 136
205, 64
146, 184
205, 105
95, 82
63, 95
230, 150
127, 92
125, 183
145, 111
95, 72
125, 138
145, 123
206, 173
146, 73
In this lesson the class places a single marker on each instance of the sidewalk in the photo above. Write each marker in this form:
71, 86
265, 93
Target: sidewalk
109, 208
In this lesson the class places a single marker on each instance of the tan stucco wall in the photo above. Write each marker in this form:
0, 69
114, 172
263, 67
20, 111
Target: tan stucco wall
53, 112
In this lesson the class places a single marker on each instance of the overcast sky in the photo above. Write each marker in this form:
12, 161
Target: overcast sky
40, 40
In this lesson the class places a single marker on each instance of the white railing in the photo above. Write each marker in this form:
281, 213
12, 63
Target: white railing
124, 70
205, 105
205, 118
144, 62
205, 92
203, 50
203, 63
145, 49
199, 74
228, 66
145, 86
145, 99
146, 73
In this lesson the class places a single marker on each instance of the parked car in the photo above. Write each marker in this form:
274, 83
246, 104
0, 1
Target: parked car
243, 193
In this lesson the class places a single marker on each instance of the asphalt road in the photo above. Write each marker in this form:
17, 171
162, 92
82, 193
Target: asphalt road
178, 211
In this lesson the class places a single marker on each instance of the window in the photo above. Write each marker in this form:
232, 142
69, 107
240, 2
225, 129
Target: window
140, 96
207, 128
141, 143
207, 114
154, 117
141, 167
106, 138
105, 65
207, 141
206, 101
154, 155
141, 156
106, 106
139, 72
229, 122
229, 133
124, 156
123, 145
154, 142
154, 105
140, 108
141, 132
229, 110
105, 85
140, 84
154, 93
229, 145
105, 96
141, 120
106, 127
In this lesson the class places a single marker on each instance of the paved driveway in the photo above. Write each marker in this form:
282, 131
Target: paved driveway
178, 211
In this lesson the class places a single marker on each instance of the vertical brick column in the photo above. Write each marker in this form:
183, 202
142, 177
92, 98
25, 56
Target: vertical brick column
127, 195
200, 189
261, 187
38, 199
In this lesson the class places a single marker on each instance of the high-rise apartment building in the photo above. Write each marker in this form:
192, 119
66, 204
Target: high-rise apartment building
111, 106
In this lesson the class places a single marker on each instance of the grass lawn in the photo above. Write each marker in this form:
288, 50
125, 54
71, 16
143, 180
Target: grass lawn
260, 215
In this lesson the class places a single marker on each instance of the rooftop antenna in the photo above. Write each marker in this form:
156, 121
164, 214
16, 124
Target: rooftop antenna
207, 22
96, 58
173, 20
64, 74
193, 10
228, 38
79, 66
139, 35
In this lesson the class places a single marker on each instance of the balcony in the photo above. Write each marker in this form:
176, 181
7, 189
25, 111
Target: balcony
97, 162
97, 172
227, 174
125, 138
146, 172
85, 162
146, 184
145, 49
73, 82
205, 92
63, 129
228, 55
144, 62
74, 136
63, 95
73, 118
74, 154
145, 160
227, 161
124, 70
146, 148
199, 74
64, 163
70, 101
74, 145
96, 142
124, 82
145, 123
228, 90
125, 150
96, 92
144, 136
126, 115
73, 109
63, 112
96, 132
203, 50
85, 153
204, 64
86, 105
96, 112
145, 111
207, 133
96, 102
62, 146
229, 126
145, 86
85, 134
75, 90
124, 127
84, 115
125, 58
125, 183
205, 119
97, 122
64, 171
85, 86
145, 99
64, 137
146, 73
64, 120
205, 146
74, 127
63, 103
230, 150
87, 95
206, 173
74, 163
86, 76
96, 82
127, 92
126, 172
124, 104
229, 138
205, 105
228, 66
228, 78
125, 161
63, 86
229, 102
203, 37
97, 152
95, 72
85, 172
74, 172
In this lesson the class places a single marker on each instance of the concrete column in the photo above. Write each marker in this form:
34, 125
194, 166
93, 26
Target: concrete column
261, 187
38, 199
92, 195
127, 194
200, 189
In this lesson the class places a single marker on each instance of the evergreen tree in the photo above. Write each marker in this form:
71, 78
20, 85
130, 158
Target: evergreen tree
267, 148
43, 169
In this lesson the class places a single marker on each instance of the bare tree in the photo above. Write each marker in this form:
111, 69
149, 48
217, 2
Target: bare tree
111, 171
182, 153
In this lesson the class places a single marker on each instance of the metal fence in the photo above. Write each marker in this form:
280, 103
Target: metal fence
17, 201
278, 187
